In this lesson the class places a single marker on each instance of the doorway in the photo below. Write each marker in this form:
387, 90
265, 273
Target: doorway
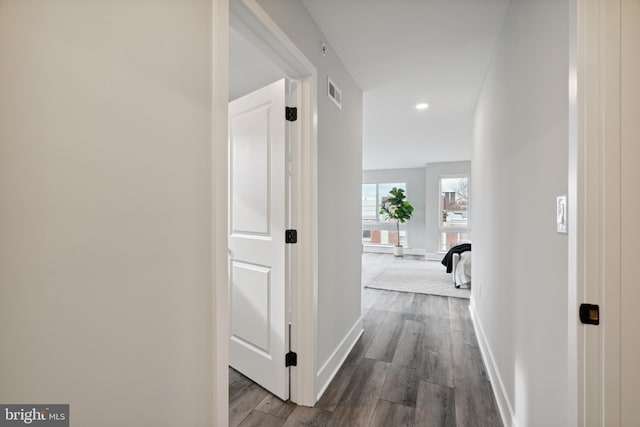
250, 25
259, 283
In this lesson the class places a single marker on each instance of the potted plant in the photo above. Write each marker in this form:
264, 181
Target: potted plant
396, 208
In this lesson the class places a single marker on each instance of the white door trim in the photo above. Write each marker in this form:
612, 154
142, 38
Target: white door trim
257, 26
219, 229
594, 216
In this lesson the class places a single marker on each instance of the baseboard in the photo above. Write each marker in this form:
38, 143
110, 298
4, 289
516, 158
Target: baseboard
330, 368
381, 249
502, 398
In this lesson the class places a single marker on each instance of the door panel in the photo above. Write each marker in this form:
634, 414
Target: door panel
250, 146
257, 218
251, 287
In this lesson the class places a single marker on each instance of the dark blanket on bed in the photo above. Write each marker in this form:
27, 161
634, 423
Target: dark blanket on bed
447, 261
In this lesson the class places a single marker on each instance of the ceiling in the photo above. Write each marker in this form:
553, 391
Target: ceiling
407, 51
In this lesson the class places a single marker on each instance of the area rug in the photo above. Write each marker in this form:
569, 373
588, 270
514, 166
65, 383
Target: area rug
419, 276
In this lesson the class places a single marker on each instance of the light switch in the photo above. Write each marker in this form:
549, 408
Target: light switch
561, 214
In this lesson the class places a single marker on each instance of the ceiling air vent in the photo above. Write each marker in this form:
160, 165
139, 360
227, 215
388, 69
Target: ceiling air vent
334, 93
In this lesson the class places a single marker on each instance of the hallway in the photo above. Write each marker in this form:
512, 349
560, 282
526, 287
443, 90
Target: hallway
417, 364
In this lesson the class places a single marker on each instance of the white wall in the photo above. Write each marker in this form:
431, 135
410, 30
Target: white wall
519, 167
630, 177
249, 68
106, 211
432, 221
415, 180
339, 190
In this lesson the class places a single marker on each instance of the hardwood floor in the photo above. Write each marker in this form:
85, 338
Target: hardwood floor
417, 364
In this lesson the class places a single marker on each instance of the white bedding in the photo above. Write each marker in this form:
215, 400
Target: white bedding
462, 270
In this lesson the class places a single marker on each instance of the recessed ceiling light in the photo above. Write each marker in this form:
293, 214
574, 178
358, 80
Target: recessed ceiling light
422, 106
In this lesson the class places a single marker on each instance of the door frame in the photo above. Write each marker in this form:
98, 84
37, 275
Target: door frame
257, 26
219, 210
594, 218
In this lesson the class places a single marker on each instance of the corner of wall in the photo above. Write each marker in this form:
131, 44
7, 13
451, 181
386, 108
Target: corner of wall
505, 406
330, 368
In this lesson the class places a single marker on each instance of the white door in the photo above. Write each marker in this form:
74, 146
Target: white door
257, 253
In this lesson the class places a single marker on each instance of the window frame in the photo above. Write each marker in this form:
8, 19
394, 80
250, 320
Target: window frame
375, 220
378, 199
379, 224
444, 229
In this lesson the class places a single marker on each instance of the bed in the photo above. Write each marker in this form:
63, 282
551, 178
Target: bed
458, 263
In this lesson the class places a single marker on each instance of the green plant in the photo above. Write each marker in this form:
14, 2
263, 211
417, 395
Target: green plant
396, 208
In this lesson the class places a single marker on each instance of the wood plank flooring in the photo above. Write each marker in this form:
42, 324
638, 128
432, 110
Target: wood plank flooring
417, 367
416, 364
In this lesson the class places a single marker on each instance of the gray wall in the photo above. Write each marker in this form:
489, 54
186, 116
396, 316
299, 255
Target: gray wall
106, 210
339, 182
415, 179
433, 172
520, 166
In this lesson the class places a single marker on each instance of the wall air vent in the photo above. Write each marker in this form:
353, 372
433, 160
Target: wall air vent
334, 93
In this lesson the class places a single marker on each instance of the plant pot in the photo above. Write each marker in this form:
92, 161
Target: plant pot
398, 251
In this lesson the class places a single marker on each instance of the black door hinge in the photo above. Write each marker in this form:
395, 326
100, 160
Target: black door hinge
291, 114
590, 314
291, 359
291, 236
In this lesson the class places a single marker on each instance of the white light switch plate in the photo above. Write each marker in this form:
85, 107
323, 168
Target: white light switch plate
561, 214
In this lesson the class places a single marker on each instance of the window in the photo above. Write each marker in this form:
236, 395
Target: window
454, 210
377, 230
378, 236
372, 197
369, 206
447, 240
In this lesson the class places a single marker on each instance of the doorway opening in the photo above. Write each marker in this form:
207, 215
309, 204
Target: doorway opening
254, 36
